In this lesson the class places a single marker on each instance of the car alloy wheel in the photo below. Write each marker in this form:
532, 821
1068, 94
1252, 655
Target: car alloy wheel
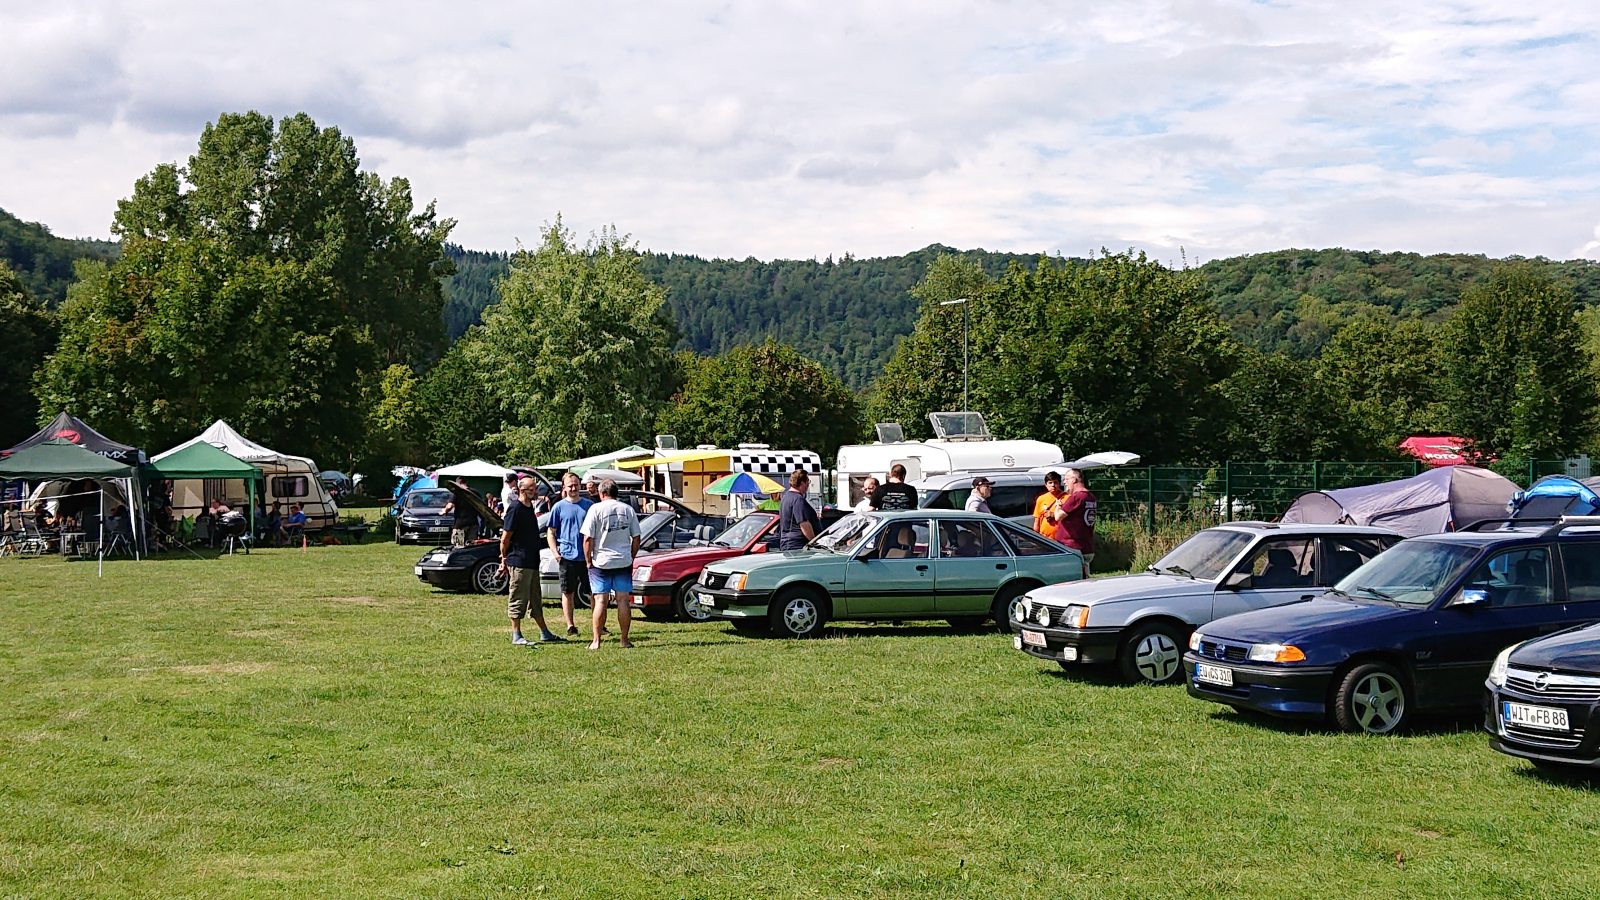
1371, 698
686, 609
486, 578
798, 614
1153, 653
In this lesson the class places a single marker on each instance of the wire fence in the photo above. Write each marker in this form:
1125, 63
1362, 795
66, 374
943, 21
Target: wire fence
1253, 490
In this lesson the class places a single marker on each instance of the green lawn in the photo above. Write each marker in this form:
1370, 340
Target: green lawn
316, 722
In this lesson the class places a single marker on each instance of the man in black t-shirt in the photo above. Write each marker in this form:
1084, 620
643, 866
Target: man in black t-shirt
895, 493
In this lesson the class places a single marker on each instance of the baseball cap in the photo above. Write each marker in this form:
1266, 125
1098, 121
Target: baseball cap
980, 480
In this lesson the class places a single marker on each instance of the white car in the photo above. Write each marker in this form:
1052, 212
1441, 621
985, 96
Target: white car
1142, 621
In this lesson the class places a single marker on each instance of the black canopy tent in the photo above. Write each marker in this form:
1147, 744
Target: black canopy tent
58, 459
68, 427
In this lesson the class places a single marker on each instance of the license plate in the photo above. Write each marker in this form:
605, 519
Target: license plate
417, 571
703, 599
1213, 674
1547, 718
1033, 638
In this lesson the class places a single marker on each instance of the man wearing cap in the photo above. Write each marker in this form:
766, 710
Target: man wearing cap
978, 500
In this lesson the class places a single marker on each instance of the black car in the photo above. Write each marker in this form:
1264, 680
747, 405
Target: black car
422, 517
1415, 628
1542, 696
665, 523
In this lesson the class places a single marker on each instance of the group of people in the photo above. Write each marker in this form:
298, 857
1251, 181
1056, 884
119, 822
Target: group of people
594, 540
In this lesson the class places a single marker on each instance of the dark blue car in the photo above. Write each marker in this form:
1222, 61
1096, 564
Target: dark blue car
1541, 697
1415, 628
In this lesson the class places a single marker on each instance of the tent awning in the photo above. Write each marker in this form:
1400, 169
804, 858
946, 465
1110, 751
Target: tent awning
474, 468
669, 458
202, 460
59, 458
584, 463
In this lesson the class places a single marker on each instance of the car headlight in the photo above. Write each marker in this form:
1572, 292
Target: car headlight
1276, 653
1194, 641
1497, 672
642, 573
1024, 609
736, 582
1075, 616
1041, 614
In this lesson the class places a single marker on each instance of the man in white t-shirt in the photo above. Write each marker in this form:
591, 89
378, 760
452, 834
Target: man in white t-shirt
610, 542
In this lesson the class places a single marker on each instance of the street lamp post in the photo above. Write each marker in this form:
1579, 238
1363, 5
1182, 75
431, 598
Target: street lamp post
966, 406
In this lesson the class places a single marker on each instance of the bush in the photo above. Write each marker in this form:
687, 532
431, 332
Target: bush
1126, 545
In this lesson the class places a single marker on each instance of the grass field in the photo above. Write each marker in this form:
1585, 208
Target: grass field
296, 723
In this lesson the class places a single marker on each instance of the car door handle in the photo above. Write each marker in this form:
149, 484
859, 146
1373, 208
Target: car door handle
999, 565
922, 568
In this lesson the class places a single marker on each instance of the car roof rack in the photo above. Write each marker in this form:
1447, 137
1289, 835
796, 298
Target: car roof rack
1482, 524
1570, 522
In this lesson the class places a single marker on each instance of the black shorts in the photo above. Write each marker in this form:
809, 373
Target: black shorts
574, 574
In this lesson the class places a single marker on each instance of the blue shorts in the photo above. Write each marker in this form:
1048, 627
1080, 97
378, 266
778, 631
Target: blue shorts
604, 581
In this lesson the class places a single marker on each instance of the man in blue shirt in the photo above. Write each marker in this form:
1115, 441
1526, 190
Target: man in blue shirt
565, 535
519, 559
798, 521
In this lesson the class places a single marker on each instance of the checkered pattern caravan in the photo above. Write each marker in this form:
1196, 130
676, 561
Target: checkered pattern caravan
775, 464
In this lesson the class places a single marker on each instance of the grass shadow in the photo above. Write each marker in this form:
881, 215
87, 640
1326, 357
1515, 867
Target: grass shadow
1558, 776
1422, 725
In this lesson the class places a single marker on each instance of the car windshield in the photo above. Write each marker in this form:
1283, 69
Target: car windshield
1411, 573
427, 499
742, 531
844, 535
1205, 555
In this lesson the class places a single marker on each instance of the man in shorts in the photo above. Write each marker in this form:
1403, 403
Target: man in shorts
565, 535
519, 559
610, 542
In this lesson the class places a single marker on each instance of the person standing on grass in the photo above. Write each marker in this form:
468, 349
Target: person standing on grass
1044, 508
896, 494
978, 500
610, 542
798, 522
519, 562
565, 535
508, 494
868, 488
1074, 517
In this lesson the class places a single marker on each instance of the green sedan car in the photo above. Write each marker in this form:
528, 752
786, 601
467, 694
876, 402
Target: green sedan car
909, 564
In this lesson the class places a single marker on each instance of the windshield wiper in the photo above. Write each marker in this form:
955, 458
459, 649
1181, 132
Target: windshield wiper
720, 543
1180, 570
1334, 590
1376, 593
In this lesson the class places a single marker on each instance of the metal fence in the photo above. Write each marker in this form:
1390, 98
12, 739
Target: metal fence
1251, 490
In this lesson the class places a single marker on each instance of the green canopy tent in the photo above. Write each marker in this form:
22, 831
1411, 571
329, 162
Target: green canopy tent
57, 458
201, 460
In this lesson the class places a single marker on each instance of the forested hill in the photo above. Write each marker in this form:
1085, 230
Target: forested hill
846, 313
1293, 300
42, 260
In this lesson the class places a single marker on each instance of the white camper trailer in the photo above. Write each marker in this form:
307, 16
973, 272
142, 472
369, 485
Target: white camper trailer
963, 444
288, 479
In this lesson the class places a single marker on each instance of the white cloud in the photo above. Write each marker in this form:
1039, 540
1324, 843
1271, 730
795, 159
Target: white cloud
793, 129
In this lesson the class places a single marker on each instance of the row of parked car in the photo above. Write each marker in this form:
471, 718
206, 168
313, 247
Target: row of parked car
1354, 625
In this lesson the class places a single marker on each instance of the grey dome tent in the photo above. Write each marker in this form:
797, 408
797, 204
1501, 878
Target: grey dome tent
1438, 500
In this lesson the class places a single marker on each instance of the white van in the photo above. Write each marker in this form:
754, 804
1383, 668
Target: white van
963, 445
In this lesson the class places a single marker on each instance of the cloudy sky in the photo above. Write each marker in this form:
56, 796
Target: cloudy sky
797, 130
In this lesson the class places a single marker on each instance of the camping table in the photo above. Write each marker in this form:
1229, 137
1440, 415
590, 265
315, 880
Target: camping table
70, 541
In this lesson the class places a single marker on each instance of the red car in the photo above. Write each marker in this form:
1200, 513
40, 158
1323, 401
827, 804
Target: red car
661, 581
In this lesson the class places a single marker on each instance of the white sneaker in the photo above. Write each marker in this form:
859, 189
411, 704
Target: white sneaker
521, 641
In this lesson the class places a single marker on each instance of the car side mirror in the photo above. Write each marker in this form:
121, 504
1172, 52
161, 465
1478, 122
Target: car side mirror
760, 548
1471, 597
1237, 581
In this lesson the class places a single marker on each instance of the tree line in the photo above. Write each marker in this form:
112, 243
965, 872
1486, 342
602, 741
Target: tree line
272, 282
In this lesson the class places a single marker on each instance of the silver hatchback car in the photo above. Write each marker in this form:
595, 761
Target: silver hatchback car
1141, 622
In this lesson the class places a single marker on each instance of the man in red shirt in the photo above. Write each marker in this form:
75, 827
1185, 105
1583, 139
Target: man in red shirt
1074, 515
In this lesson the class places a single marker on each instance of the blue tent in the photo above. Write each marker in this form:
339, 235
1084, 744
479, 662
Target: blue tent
413, 482
1554, 496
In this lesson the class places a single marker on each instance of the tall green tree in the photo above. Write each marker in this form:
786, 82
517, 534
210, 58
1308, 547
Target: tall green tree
1383, 376
1518, 380
1281, 408
769, 394
925, 373
30, 334
265, 282
577, 355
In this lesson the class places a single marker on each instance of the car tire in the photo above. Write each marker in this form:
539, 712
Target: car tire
799, 613
682, 608
1153, 654
1372, 697
1003, 603
486, 578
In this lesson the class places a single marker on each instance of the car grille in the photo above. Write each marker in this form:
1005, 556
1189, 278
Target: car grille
1044, 615
716, 580
1566, 740
1224, 651
1556, 687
